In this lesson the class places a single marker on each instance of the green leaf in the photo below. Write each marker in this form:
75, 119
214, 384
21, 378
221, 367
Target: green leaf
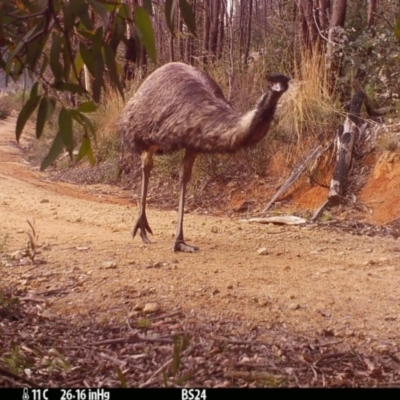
170, 10
55, 64
87, 57
68, 87
188, 15
121, 377
143, 24
86, 150
45, 63
46, 109
176, 357
65, 129
56, 149
112, 68
27, 110
101, 10
397, 28
72, 9
147, 4
98, 81
17, 49
86, 107
83, 14
34, 90
83, 120
78, 65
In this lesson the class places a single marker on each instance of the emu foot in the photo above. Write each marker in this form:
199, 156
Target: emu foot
143, 225
182, 246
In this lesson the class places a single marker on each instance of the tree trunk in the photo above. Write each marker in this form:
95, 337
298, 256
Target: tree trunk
345, 141
323, 15
309, 29
215, 28
249, 16
335, 24
206, 31
221, 31
371, 15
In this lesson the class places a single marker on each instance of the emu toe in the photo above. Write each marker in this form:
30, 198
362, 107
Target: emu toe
185, 248
143, 225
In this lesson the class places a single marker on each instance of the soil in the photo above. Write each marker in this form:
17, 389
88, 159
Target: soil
311, 281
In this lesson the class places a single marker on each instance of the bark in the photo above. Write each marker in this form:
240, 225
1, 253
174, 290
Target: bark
323, 15
338, 16
345, 141
248, 39
308, 27
206, 31
335, 24
221, 31
215, 28
371, 15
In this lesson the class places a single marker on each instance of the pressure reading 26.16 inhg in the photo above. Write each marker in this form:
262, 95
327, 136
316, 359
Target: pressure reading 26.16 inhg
85, 394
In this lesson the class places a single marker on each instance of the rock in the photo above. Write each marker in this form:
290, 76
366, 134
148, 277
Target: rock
109, 264
45, 201
17, 255
214, 229
150, 308
262, 251
294, 306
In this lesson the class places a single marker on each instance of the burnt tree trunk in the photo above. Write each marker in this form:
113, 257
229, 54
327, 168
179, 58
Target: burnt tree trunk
344, 142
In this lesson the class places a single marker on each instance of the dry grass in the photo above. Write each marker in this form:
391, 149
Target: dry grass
308, 110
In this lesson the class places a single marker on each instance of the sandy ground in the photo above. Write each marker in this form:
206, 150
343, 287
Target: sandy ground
310, 280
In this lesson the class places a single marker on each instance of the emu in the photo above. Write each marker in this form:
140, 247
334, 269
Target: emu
179, 107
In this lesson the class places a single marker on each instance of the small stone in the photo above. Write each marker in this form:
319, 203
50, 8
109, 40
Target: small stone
150, 308
294, 306
45, 201
262, 302
382, 348
262, 251
82, 248
214, 229
109, 264
157, 264
18, 255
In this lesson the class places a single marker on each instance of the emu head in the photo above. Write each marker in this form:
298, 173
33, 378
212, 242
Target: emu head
278, 83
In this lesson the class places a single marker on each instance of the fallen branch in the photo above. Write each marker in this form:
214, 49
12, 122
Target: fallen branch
294, 176
279, 220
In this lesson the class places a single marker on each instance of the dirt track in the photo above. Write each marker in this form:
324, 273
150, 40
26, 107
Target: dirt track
310, 280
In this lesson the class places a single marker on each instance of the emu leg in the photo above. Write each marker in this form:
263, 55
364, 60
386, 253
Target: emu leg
184, 175
141, 223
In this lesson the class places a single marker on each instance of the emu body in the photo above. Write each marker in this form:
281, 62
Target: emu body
179, 107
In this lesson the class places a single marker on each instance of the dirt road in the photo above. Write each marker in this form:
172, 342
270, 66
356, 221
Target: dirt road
311, 280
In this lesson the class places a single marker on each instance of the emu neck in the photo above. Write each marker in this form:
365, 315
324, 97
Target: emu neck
256, 123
